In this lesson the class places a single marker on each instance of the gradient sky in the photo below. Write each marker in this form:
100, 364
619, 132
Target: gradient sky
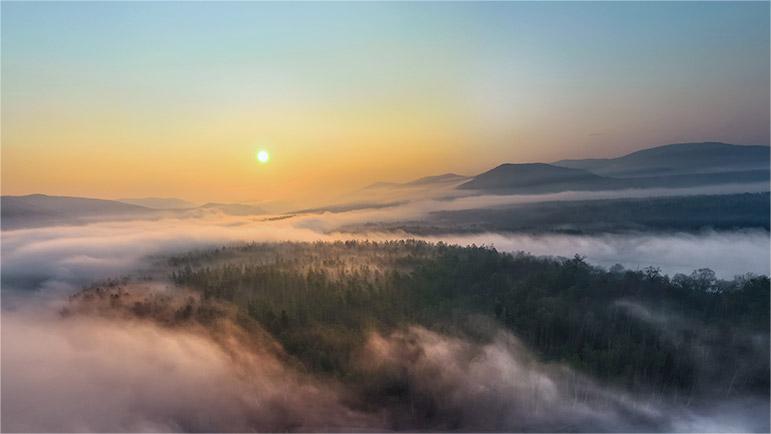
173, 99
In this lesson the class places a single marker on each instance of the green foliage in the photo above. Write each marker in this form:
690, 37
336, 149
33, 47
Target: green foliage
639, 329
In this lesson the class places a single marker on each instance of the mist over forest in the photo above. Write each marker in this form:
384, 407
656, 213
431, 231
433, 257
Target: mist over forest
385, 216
566, 312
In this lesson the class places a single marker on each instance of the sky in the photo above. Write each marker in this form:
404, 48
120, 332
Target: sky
135, 99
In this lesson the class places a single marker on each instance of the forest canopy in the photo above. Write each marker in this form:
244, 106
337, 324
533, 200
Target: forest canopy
320, 299
678, 340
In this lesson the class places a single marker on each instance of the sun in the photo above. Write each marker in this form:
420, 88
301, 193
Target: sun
263, 156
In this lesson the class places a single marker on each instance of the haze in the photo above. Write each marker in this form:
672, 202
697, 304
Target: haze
385, 217
114, 100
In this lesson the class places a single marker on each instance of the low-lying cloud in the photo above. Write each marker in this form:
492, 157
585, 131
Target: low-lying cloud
95, 373
727, 253
63, 258
434, 200
87, 374
501, 386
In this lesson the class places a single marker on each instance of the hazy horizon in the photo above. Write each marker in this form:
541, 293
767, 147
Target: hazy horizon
388, 216
112, 100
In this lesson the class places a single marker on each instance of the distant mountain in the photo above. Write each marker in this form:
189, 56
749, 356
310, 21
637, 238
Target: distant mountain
446, 178
159, 202
533, 177
545, 178
438, 179
380, 184
677, 159
237, 209
40, 209
670, 166
345, 207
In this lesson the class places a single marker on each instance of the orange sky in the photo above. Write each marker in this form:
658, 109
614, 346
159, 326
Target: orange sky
174, 99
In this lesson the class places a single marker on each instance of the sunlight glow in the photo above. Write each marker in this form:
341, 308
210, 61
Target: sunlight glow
263, 156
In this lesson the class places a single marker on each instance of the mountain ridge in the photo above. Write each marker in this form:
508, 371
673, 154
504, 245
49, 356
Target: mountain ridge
165, 203
685, 167
444, 178
677, 159
516, 176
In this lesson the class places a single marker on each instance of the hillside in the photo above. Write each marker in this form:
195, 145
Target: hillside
159, 202
320, 308
426, 181
40, 209
521, 182
535, 177
677, 159
233, 208
684, 214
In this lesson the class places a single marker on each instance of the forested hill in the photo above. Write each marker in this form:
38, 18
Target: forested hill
678, 158
637, 329
651, 214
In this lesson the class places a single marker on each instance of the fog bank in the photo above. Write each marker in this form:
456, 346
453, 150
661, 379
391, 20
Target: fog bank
59, 259
727, 253
102, 373
87, 374
107, 374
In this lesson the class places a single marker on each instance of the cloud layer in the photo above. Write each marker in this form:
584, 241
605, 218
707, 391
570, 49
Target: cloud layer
62, 258
87, 374
111, 374
100, 373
